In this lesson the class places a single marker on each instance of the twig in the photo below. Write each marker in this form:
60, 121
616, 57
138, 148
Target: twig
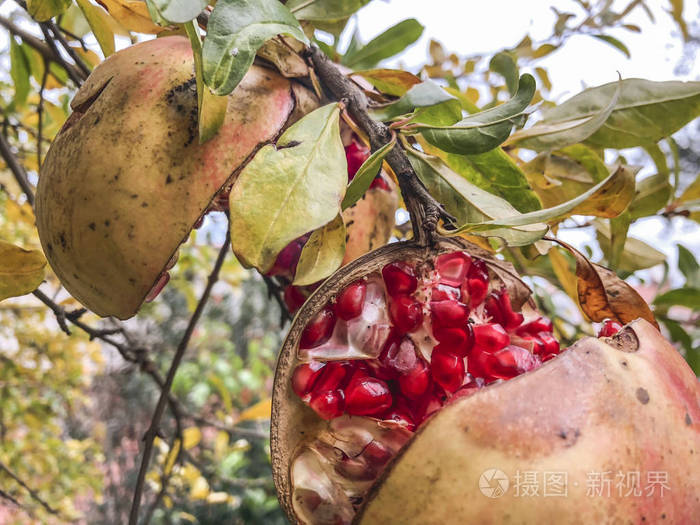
64, 43
160, 406
275, 291
32, 492
75, 73
16, 169
40, 113
425, 211
43, 48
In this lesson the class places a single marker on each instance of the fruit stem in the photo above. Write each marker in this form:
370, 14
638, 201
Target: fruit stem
425, 211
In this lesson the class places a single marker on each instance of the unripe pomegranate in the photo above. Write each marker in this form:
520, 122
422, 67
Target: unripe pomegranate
424, 425
126, 178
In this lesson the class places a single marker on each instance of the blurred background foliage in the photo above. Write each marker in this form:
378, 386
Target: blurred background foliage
73, 411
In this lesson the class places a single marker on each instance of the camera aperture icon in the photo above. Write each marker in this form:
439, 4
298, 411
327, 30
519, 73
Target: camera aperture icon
493, 483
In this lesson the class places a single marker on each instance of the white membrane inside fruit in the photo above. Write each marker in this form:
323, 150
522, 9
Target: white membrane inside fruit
360, 338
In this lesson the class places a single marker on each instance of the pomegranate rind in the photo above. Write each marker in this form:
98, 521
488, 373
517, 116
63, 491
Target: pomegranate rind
625, 404
293, 422
126, 178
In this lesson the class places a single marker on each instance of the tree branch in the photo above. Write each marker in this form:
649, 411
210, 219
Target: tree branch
16, 169
179, 354
31, 492
425, 211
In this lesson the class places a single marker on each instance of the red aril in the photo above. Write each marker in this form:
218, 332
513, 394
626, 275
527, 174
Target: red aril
490, 336
510, 362
399, 279
367, 396
398, 356
328, 404
477, 283
453, 267
449, 314
609, 328
447, 369
305, 377
414, 383
457, 340
511, 319
334, 375
541, 324
379, 184
442, 292
406, 314
318, 330
294, 298
355, 155
551, 345
350, 301
400, 415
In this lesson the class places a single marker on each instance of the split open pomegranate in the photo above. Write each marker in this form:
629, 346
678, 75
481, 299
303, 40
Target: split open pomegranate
408, 338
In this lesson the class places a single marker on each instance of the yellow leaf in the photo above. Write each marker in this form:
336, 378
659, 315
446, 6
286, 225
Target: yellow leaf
187, 517
167, 502
89, 56
100, 24
199, 489
190, 473
132, 15
220, 444
217, 497
564, 273
191, 437
260, 410
19, 213
21, 271
172, 456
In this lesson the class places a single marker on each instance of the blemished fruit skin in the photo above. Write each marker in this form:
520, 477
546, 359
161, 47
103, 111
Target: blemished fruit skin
126, 178
625, 404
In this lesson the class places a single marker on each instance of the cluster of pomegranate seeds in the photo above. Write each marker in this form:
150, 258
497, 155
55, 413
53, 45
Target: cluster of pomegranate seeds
609, 328
451, 330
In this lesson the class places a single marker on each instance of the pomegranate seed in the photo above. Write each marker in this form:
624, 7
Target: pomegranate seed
477, 283
477, 362
379, 184
401, 416
493, 309
293, 298
399, 279
442, 292
328, 404
490, 336
512, 319
415, 383
405, 313
449, 314
286, 261
158, 287
447, 369
399, 356
355, 155
305, 376
466, 390
548, 357
551, 345
609, 328
376, 454
510, 362
319, 329
457, 340
335, 375
350, 301
453, 267
367, 396
541, 324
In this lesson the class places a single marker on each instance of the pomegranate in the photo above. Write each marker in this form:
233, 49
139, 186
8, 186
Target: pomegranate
432, 379
126, 178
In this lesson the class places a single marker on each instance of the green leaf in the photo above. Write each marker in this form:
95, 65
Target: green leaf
386, 45
100, 25
43, 10
482, 131
211, 108
19, 72
619, 226
605, 193
652, 194
288, 190
689, 267
635, 254
547, 135
645, 112
236, 30
175, 11
425, 94
496, 172
322, 254
392, 82
21, 271
365, 175
615, 43
503, 64
324, 9
688, 297
468, 203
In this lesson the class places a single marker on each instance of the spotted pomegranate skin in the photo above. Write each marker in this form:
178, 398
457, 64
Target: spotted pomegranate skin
517, 403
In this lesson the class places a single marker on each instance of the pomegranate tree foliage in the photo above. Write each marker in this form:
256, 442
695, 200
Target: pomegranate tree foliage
72, 411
